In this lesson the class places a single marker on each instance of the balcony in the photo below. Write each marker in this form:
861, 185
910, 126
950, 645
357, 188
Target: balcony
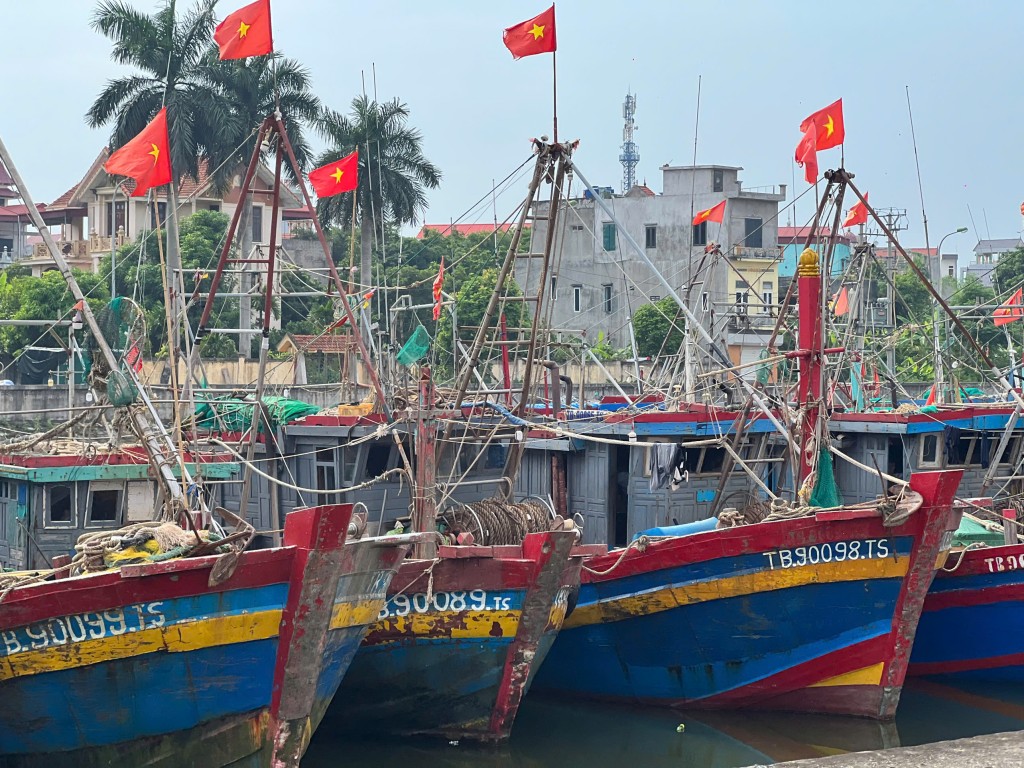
80, 249
746, 252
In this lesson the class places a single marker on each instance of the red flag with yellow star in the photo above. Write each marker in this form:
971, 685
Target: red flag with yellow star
715, 213
858, 214
807, 155
146, 158
829, 124
537, 35
337, 177
246, 32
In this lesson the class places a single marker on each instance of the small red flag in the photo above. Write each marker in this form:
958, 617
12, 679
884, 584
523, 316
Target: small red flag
1009, 310
933, 396
807, 155
1022, 209
715, 213
858, 214
438, 283
134, 358
246, 32
536, 35
146, 158
829, 124
842, 303
337, 177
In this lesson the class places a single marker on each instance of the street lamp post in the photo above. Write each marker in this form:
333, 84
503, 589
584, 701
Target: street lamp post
936, 340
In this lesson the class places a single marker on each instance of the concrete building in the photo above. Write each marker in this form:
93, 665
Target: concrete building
986, 256
598, 281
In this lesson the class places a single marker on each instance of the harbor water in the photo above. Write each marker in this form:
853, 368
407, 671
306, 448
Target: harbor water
551, 733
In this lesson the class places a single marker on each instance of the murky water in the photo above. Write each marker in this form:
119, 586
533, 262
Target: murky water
551, 733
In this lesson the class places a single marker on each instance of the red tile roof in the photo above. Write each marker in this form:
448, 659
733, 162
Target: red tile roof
18, 211
329, 344
462, 229
791, 234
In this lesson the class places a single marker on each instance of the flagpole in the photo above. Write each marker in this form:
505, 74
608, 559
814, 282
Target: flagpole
554, 92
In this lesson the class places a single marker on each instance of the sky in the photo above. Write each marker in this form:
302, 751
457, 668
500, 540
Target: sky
763, 67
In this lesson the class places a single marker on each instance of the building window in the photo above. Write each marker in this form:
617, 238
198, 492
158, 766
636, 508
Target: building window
742, 297
951, 271
60, 505
752, 233
608, 235
718, 183
257, 226
607, 298
117, 217
651, 235
215, 207
161, 212
655, 299
704, 302
577, 298
576, 227
554, 287
700, 234
767, 296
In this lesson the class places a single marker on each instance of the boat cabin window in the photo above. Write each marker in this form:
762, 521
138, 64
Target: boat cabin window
929, 451
377, 459
59, 505
1012, 453
104, 502
702, 461
960, 451
326, 471
496, 455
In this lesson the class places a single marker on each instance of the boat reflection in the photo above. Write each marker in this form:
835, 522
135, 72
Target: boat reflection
552, 733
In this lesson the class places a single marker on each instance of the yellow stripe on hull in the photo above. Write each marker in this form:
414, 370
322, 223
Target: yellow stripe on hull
453, 624
356, 614
867, 676
175, 638
735, 586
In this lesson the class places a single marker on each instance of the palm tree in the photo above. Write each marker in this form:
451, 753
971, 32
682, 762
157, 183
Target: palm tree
393, 173
167, 52
250, 89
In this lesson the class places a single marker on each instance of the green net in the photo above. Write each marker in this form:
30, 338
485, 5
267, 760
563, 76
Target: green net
232, 414
120, 389
826, 491
415, 348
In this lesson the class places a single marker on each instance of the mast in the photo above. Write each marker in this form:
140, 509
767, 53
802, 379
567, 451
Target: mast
809, 355
155, 438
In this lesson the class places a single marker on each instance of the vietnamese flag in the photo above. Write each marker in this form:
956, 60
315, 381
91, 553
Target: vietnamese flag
246, 32
842, 305
858, 214
537, 35
715, 213
146, 158
1009, 310
438, 284
807, 155
829, 124
337, 177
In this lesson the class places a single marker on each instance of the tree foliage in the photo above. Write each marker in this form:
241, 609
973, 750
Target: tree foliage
658, 328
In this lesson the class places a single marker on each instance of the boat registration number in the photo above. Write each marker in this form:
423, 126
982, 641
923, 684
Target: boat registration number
63, 630
1007, 563
829, 552
475, 600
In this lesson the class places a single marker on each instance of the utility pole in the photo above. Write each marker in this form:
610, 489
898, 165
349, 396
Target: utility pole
895, 221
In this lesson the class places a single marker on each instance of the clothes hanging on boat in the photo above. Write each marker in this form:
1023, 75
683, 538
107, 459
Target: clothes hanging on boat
661, 462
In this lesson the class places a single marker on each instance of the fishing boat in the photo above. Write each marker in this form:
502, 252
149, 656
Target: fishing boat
150, 665
850, 582
166, 642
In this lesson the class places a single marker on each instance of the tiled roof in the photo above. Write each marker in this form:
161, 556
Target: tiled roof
801, 233
462, 229
18, 211
307, 342
998, 246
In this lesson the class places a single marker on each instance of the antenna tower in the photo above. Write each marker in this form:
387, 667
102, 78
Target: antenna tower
630, 156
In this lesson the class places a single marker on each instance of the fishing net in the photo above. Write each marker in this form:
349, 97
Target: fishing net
234, 414
826, 491
415, 348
